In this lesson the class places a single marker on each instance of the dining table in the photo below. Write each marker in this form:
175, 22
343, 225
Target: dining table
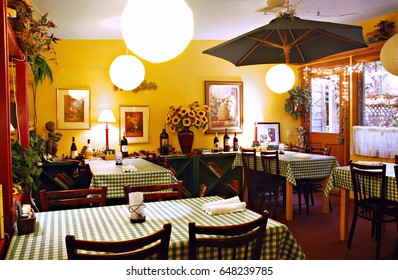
132, 172
298, 166
107, 223
341, 179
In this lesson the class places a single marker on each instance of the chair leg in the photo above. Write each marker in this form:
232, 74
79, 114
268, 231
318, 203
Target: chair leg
311, 195
299, 199
353, 224
378, 239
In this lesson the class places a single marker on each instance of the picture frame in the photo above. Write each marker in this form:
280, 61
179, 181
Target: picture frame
225, 100
73, 112
269, 131
134, 121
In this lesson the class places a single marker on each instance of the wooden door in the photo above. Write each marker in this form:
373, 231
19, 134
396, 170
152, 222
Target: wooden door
327, 125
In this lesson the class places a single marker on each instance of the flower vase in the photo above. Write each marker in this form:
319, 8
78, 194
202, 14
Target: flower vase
185, 138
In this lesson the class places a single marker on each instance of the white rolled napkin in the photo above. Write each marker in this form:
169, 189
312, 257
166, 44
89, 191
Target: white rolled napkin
372, 163
129, 168
136, 203
226, 208
234, 199
302, 156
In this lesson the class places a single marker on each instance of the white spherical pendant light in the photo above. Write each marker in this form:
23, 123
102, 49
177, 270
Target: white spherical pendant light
127, 72
389, 55
280, 78
157, 30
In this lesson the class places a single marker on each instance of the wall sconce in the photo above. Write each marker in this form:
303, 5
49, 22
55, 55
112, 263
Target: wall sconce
157, 30
127, 72
280, 78
106, 117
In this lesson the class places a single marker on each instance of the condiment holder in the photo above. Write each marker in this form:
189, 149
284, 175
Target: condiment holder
137, 207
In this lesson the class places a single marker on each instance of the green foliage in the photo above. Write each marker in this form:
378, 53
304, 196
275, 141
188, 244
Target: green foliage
26, 166
299, 101
34, 38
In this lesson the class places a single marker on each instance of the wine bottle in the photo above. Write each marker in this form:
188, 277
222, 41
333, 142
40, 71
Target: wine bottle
73, 149
216, 142
89, 151
124, 148
227, 145
235, 143
164, 142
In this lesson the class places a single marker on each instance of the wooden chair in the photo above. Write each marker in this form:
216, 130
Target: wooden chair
273, 183
140, 248
320, 150
246, 240
369, 184
156, 192
253, 181
294, 148
315, 184
64, 199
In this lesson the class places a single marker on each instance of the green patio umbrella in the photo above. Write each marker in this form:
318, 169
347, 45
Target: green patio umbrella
291, 40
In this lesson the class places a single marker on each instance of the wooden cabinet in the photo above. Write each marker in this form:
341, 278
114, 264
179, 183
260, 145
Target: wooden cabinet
215, 172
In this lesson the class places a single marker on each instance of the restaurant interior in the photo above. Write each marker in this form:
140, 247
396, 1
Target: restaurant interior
124, 135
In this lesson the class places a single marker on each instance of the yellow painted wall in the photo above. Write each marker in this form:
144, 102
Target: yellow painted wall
85, 64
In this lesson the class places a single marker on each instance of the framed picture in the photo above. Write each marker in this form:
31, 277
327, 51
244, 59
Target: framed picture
134, 121
225, 100
268, 132
73, 108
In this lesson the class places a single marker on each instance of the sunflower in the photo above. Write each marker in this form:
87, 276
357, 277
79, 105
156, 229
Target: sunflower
194, 115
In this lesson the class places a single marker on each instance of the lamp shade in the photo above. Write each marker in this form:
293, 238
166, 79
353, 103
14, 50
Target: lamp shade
127, 72
275, 3
389, 55
106, 116
157, 30
280, 78
77, 93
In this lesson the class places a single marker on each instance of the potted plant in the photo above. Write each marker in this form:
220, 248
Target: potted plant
299, 101
34, 40
27, 162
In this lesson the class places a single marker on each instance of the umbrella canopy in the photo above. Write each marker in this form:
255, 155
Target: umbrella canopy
290, 40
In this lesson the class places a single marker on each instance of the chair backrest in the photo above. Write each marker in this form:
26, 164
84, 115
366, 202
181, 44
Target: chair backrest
156, 192
140, 248
242, 241
249, 162
54, 200
294, 148
320, 150
271, 174
369, 184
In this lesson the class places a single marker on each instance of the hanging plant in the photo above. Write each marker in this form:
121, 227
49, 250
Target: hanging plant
299, 102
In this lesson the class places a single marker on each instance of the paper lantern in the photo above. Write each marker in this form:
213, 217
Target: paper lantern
389, 55
127, 72
280, 78
157, 30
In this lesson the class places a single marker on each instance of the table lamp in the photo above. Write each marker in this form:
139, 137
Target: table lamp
107, 117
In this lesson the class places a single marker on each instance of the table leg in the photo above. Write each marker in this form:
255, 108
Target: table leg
289, 201
325, 205
344, 198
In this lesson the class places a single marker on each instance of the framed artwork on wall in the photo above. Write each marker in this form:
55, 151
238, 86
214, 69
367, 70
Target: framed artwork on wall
73, 109
134, 121
225, 100
268, 132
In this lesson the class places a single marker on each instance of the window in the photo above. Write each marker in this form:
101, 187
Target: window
378, 100
325, 107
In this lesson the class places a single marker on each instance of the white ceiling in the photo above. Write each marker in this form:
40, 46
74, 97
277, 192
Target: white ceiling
214, 19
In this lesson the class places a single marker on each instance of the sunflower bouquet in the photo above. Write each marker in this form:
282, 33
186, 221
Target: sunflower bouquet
192, 115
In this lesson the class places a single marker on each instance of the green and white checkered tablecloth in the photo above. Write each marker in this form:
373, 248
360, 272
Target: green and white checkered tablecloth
294, 167
341, 178
113, 223
107, 174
